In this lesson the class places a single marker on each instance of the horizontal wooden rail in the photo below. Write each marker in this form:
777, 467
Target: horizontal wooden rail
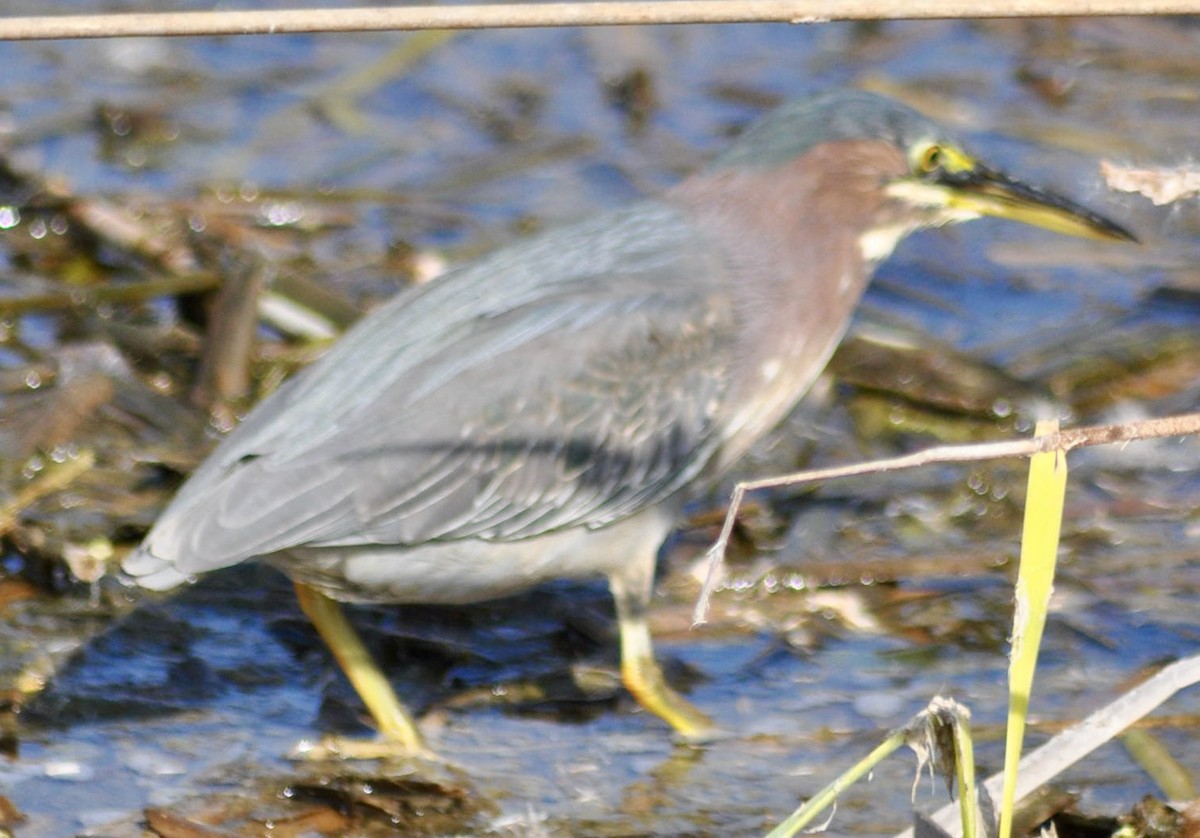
507, 15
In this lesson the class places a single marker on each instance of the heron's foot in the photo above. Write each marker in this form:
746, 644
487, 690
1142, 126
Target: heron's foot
700, 736
348, 748
645, 681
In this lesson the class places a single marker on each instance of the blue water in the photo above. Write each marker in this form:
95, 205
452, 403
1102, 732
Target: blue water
229, 695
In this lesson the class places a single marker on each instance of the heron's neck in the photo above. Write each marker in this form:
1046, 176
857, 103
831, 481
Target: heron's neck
795, 241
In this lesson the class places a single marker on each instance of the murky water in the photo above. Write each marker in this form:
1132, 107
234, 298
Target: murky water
487, 135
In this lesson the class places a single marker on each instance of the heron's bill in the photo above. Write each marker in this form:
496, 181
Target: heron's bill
980, 191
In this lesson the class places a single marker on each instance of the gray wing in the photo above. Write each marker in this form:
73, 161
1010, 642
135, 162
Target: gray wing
572, 380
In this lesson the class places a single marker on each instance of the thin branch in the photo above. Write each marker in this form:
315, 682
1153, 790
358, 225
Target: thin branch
130, 292
1183, 425
1050, 759
54, 479
268, 22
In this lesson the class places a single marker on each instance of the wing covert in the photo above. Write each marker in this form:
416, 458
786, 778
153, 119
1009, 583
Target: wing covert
509, 399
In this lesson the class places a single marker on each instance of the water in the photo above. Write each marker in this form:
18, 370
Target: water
493, 133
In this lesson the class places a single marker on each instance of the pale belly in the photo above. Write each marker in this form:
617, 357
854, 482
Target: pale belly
473, 570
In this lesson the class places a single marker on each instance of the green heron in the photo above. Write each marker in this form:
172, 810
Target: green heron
541, 413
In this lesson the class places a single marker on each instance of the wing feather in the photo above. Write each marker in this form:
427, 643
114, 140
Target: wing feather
569, 381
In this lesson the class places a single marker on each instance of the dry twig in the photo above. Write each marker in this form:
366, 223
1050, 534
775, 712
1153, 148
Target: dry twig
1183, 425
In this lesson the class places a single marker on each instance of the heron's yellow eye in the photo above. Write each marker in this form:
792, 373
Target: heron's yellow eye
936, 158
930, 160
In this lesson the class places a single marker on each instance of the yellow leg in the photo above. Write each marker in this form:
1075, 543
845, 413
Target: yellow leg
639, 671
399, 733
